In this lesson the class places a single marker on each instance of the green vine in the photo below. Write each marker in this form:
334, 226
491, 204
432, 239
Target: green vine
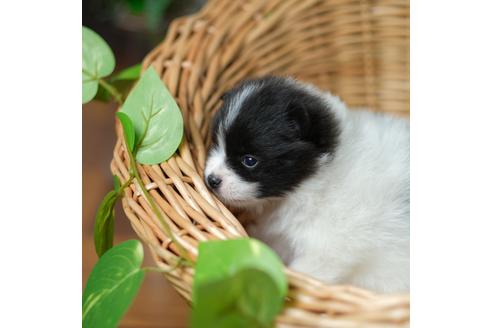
167, 230
112, 91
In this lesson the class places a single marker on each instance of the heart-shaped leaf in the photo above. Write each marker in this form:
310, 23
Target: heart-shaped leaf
128, 130
112, 285
97, 62
104, 225
248, 276
156, 118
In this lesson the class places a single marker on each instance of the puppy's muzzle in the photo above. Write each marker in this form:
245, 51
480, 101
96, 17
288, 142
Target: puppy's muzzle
213, 181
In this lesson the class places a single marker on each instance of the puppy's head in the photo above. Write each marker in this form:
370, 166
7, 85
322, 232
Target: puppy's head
267, 138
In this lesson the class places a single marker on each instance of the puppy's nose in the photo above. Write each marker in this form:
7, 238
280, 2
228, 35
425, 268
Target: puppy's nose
213, 181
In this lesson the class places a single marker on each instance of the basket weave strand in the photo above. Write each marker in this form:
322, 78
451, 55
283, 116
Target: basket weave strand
356, 49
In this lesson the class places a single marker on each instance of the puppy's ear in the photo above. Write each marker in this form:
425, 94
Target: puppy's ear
299, 119
225, 95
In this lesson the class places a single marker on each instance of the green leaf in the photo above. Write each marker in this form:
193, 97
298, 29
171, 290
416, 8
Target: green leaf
116, 183
89, 88
112, 285
104, 225
156, 118
219, 258
128, 130
248, 276
130, 73
249, 298
97, 62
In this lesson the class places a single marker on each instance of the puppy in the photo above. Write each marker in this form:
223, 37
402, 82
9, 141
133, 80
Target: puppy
328, 186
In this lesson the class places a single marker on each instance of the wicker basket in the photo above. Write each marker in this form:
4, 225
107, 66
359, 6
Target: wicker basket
357, 49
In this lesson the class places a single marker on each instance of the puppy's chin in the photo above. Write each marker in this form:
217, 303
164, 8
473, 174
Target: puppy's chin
239, 203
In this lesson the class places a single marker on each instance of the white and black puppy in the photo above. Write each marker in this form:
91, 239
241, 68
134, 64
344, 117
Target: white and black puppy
329, 187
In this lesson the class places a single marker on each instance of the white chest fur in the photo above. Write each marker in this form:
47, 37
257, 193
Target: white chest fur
349, 223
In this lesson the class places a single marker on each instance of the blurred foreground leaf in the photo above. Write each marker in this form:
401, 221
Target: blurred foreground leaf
238, 283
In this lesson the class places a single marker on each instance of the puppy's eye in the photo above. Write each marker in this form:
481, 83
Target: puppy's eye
249, 161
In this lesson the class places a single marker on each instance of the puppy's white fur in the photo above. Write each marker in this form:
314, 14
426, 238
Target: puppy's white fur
349, 223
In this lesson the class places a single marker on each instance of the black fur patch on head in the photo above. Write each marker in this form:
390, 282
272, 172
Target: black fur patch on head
286, 127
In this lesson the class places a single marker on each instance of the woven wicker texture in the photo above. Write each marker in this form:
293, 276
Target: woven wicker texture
359, 50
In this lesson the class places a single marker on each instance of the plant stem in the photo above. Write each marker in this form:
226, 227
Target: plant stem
126, 184
156, 210
185, 259
167, 230
112, 90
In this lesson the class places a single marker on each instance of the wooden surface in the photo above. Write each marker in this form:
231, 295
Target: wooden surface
157, 303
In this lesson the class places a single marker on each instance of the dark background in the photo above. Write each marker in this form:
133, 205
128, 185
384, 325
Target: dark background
127, 27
